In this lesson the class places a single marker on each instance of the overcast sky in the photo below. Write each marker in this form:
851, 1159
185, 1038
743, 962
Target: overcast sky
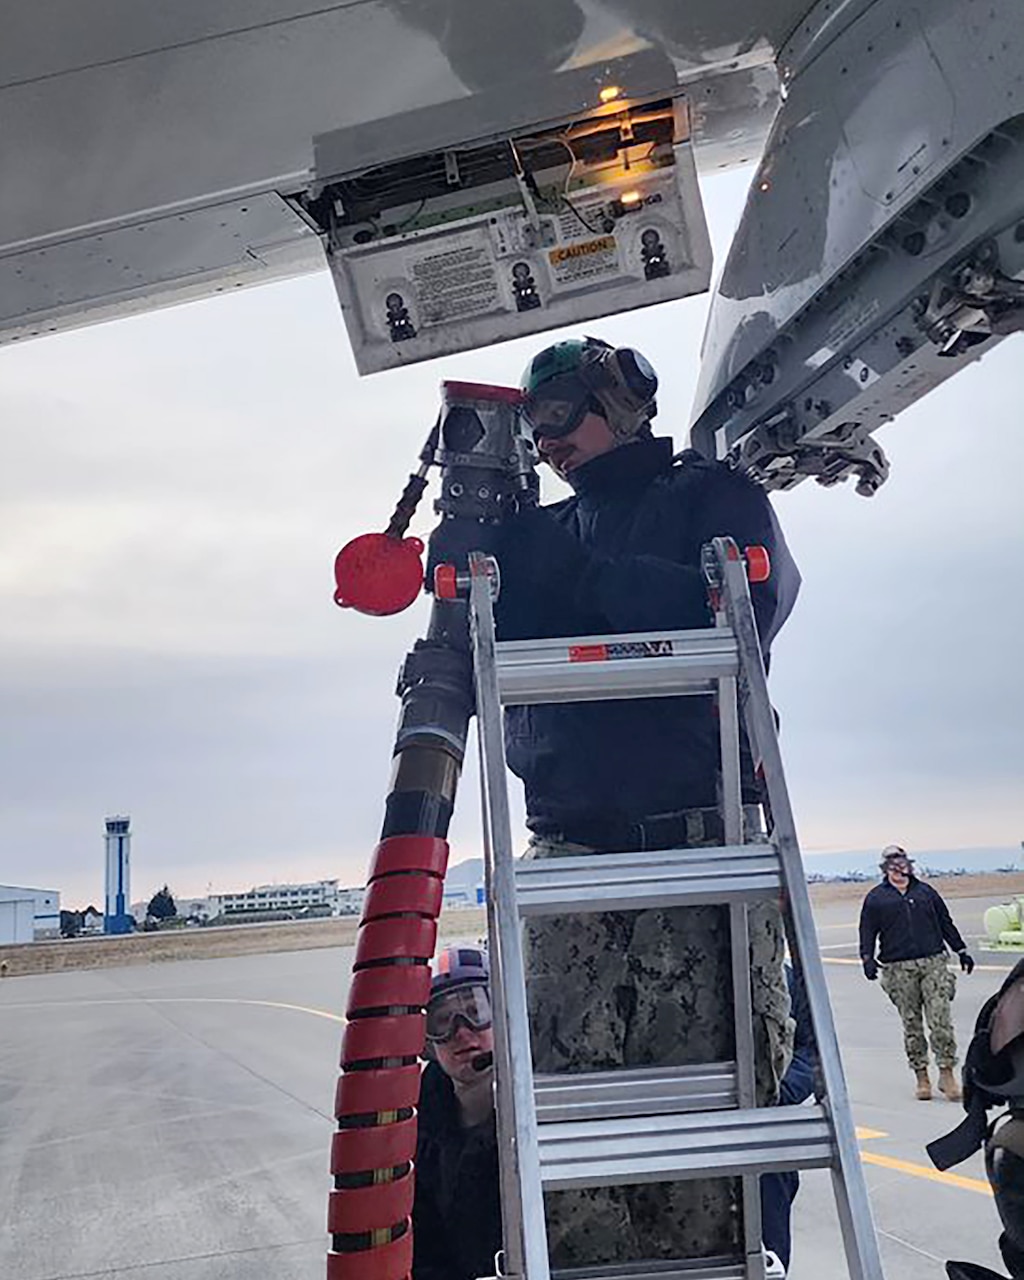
174, 489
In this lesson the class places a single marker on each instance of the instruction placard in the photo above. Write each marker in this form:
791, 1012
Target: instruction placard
454, 282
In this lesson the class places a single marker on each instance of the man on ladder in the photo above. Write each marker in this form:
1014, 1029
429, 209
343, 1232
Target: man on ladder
644, 988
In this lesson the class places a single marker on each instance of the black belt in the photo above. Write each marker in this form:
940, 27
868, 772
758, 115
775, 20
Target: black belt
681, 830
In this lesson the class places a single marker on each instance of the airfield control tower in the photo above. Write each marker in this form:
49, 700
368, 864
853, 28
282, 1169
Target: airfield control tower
116, 916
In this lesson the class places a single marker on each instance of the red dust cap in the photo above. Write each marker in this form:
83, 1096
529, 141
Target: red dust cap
378, 574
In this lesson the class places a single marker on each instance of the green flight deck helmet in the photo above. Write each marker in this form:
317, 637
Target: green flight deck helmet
565, 381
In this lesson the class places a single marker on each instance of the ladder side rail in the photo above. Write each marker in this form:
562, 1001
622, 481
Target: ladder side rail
848, 1177
511, 1218
753, 1227
522, 1195
729, 745
743, 1020
743, 1010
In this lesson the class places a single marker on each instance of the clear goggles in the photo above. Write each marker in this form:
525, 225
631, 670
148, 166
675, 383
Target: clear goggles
471, 1005
559, 408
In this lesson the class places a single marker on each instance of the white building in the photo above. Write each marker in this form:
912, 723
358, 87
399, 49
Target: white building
278, 897
350, 901
196, 908
463, 895
28, 914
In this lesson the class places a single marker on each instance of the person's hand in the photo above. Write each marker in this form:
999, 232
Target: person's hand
537, 550
453, 540
542, 564
870, 968
966, 962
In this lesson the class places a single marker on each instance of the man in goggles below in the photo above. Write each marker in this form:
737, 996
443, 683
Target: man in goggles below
466, 1006
457, 1209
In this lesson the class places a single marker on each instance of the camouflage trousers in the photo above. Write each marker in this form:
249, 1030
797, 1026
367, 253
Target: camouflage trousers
923, 989
644, 989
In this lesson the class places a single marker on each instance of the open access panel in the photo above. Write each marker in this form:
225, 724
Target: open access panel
458, 249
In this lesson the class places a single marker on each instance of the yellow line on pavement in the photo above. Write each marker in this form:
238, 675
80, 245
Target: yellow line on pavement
144, 1000
917, 1170
923, 1171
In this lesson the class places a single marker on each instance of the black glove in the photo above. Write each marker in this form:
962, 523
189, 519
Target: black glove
536, 550
870, 968
542, 568
966, 962
453, 540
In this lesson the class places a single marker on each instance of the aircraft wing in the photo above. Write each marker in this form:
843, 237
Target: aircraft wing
472, 170
156, 152
882, 244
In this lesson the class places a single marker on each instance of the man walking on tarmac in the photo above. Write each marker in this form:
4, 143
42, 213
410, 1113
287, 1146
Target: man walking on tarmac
915, 927
457, 1211
647, 988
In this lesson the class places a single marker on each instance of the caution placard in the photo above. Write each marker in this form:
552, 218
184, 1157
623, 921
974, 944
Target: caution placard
582, 260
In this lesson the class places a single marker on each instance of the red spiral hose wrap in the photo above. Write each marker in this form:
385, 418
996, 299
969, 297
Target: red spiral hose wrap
370, 1207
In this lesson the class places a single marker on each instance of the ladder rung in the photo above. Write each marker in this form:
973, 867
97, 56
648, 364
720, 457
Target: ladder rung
586, 668
634, 881
720, 1268
637, 1092
597, 1153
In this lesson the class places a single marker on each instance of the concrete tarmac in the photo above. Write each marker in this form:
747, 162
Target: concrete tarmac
173, 1122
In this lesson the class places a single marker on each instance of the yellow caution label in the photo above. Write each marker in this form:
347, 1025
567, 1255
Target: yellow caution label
581, 250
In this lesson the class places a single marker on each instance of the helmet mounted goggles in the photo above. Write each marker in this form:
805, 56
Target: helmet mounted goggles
558, 406
469, 1004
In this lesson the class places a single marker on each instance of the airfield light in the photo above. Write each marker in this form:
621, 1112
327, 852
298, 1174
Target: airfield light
610, 92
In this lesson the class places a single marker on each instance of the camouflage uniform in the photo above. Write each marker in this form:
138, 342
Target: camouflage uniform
923, 987
643, 989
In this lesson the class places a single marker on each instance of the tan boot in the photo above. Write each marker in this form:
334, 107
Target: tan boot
924, 1085
948, 1084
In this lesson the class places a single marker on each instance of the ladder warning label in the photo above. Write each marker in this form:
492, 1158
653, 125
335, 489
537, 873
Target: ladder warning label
620, 649
454, 283
584, 260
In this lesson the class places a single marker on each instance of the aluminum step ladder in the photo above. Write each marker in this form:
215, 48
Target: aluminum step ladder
662, 1124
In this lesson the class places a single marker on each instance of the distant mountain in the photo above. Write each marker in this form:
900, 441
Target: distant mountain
855, 864
465, 875
946, 861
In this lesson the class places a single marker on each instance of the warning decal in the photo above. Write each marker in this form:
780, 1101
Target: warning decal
620, 649
454, 283
584, 260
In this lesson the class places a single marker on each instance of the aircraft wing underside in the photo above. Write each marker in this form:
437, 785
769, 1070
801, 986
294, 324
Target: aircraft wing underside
472, 170
154, 152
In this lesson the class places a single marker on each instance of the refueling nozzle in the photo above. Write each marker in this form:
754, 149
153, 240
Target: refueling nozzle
487, 462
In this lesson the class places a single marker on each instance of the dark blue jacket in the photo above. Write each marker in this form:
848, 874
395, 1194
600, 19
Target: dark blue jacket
457, 1211
798, 1082
778, 1190
911, 925
642, 520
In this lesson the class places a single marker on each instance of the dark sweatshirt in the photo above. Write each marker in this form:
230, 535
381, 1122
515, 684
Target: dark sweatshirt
457, 1213
911, 925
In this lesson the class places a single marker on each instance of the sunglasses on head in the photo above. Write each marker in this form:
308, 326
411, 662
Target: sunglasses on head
469, 1005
